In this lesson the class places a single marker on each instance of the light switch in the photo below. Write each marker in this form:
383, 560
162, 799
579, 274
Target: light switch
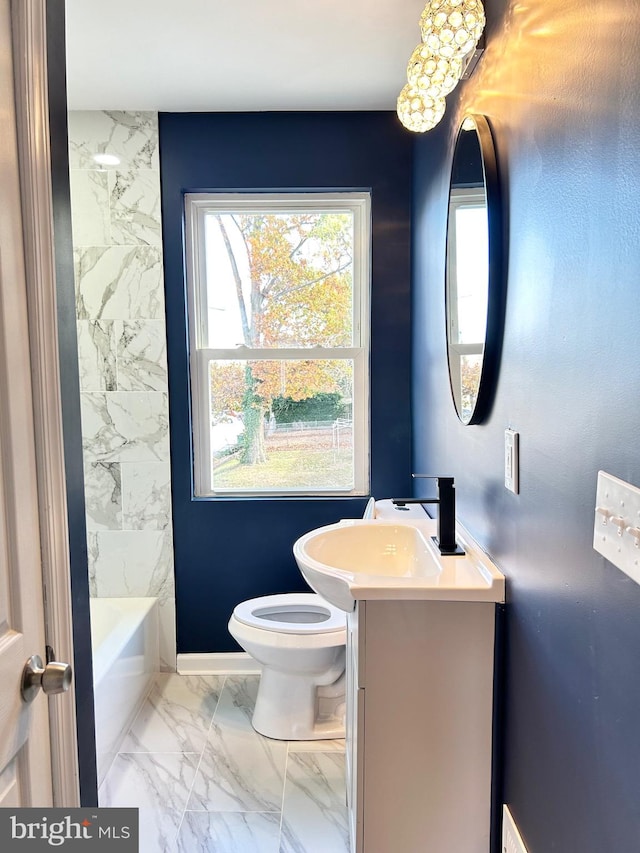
616, 529
511, 460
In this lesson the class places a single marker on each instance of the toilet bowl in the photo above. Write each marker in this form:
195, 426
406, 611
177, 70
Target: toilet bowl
299, 639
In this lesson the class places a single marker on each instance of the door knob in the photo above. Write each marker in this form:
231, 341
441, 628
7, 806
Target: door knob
55, 677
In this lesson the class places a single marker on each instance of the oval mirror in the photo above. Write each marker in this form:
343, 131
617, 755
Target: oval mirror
474, 271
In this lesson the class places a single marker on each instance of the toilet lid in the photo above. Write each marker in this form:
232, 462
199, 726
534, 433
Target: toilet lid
293, 613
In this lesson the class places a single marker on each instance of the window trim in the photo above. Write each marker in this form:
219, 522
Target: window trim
196, 206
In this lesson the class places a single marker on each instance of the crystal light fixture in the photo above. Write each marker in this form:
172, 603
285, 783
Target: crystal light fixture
452, 27
419, 111
450, 32
434, 75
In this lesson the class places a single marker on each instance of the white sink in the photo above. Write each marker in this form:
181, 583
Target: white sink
381, 559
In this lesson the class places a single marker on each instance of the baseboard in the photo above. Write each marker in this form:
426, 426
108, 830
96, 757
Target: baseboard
217, 663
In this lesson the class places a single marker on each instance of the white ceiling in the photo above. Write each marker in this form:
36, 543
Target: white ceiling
218, 55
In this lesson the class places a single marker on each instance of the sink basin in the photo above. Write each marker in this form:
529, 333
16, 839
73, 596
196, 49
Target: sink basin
379, 559
395, 550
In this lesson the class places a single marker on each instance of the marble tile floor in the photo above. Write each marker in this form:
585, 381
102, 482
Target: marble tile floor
206, 782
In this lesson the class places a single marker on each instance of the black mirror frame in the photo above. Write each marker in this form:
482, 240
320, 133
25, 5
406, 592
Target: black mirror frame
496, 289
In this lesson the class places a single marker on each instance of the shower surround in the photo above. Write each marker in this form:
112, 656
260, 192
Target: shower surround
115, 209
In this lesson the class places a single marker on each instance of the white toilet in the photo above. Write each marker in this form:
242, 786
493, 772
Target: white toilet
299, 639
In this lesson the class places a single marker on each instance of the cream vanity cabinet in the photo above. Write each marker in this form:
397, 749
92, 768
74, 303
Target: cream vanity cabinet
420, 676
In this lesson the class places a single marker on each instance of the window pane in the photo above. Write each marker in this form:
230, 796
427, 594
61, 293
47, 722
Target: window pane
472, 273
281, 425
279, 279
470, 367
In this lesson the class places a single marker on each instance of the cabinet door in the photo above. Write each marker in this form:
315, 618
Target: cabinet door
426, 726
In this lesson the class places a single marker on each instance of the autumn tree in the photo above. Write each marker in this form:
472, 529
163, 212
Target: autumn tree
292, 276
470, 370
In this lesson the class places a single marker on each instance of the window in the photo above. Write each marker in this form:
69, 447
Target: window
467, 292
278, 304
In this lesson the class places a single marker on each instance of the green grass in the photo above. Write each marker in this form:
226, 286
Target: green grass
289, 469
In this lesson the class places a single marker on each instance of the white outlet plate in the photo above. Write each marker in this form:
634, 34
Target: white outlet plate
616, 529
511, 839
512, 460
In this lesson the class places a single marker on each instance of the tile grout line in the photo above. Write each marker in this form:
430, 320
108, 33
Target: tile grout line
284, 788
204, 746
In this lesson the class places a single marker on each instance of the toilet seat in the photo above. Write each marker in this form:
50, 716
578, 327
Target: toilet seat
278, 613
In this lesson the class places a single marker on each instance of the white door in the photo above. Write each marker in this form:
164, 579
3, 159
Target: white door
25, 750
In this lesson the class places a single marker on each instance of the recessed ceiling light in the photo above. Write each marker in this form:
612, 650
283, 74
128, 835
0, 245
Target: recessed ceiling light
106, 159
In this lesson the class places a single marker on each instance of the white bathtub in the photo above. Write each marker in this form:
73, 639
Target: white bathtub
124, 636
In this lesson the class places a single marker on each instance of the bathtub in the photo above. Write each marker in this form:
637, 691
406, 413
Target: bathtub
124, 636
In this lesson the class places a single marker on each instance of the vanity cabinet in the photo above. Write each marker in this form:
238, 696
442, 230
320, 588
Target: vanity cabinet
420, 678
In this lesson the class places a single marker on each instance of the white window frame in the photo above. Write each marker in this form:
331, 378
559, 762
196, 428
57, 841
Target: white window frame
197, 206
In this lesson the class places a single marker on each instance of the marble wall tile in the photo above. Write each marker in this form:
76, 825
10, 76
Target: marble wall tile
133, 563
137, 563
131, 136
103, 495
119, 283
97, 355
167, 631
120, 310
134, 208
125, 427
146, 495
90, 208
141, 355
93, 551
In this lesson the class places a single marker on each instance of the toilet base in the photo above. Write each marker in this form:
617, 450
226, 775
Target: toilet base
290, 708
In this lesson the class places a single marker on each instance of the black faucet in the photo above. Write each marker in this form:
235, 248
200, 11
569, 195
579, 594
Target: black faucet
446, 500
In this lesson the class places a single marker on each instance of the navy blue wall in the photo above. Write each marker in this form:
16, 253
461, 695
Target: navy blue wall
229, 550
561, 88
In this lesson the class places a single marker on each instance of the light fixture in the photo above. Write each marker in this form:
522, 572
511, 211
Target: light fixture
106, 159
435, 75
419, 111
449, 51
452, 27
